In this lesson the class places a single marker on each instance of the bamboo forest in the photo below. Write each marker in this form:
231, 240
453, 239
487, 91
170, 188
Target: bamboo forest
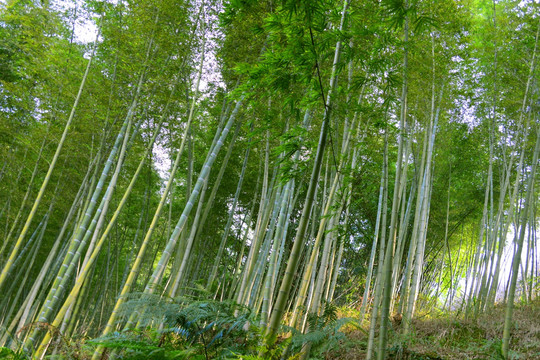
269, 179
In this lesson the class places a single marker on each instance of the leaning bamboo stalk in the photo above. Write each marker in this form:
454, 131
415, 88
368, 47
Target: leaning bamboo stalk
229, 220
389, 254
189, 243
247, 222
159, 269
493, 287
146, 241
27, 265
262, 257
424, 215
256, 242
260, 237
38, 233
382, 244
37, 201
363, 305
517, 254
279, 239
20, 318
78, 240
294, 256
33, 241
102, 210
87, 265
311, 262
167, 252
336, 182
25, 198
86, 227
216, 184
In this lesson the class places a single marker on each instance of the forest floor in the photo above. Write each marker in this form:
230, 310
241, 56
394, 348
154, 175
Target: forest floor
438, 336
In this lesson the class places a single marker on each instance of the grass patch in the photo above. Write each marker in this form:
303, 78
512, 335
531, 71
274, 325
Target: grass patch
439, 336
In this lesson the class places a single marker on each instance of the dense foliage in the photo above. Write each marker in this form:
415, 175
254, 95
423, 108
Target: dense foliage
212, 179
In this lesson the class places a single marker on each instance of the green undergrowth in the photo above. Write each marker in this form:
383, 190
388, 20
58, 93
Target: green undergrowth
190, 328
204, 329
9, 354
442, 336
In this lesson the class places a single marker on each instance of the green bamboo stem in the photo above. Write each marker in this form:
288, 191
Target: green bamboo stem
255, 282
165, 256
424, 215
382, 245
517, 254
74, 249
256, 242
189, 243
27, 265
294, 257
146, 241
99, 219
223, 242
37, 201
25, 198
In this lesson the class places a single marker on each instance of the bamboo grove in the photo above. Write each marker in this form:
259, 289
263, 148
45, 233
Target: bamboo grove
281, 155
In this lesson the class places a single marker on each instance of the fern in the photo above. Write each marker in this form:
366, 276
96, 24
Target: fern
194, 328
189, 328
8, 354
324, 331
